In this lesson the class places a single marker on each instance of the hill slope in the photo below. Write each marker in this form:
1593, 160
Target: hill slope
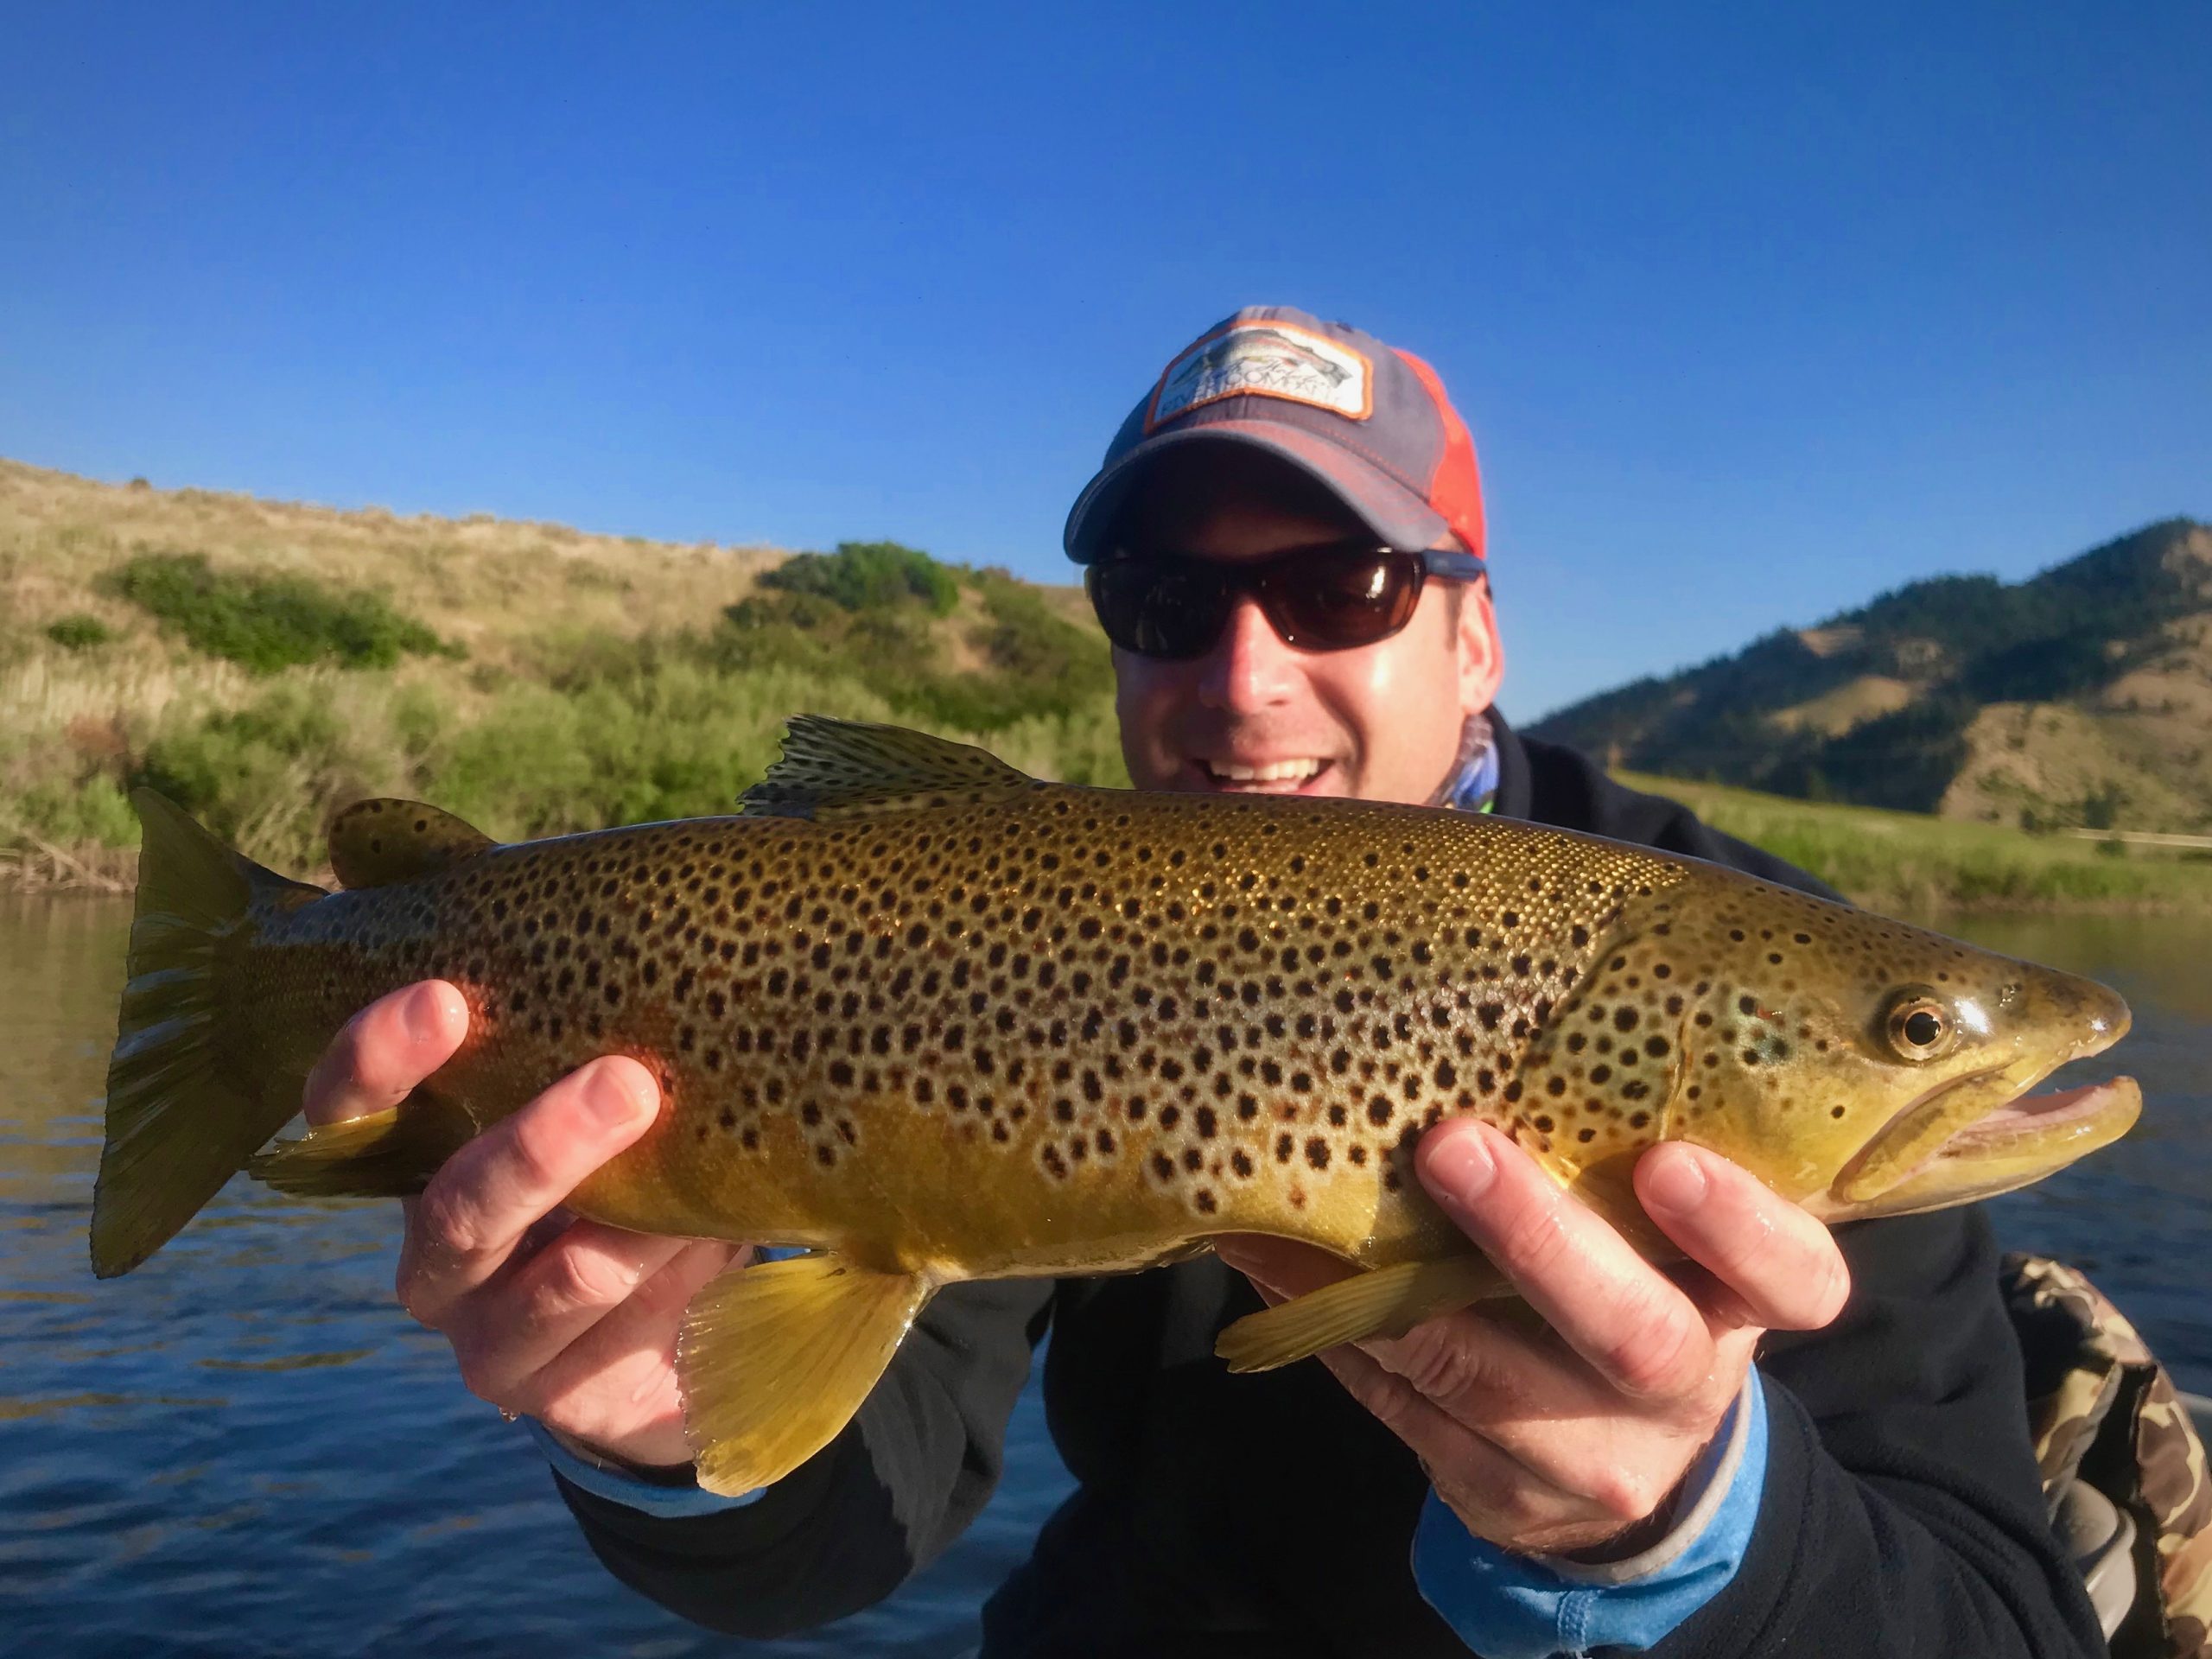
264, 662
2077, 697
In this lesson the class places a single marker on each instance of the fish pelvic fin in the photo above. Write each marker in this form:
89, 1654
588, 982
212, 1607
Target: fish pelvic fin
387, 1154
1385, 1302
181, 1118
834, 769
775, 1359
375, 843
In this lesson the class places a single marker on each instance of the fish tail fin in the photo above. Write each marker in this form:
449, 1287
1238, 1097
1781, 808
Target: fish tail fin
181, 1120
775, 1359
1385, 1302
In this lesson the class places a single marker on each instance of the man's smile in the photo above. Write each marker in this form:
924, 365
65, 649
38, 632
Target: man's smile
1288, 775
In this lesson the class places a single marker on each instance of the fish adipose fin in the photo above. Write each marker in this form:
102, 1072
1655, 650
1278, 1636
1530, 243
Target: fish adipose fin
375, 843
1386, 1302
387, 1154
181, 1118
773, 1361
834, 769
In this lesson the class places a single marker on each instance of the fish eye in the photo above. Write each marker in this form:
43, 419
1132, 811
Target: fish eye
1918, 1027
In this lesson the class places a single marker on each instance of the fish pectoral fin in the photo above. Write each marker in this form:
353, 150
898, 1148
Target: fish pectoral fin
833, 769
375, 843
775, 1359
387, 1154
1386, 1302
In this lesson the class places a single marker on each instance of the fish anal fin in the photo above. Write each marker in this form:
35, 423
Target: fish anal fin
387, 1154
833, 769
1385, 1302
375, 843
775, 1359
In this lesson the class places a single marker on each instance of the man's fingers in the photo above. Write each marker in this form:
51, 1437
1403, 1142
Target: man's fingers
490, 1193
1496, 1494
384, 1050
1621, 1314
546, 1301
645, 1325
1781, 1267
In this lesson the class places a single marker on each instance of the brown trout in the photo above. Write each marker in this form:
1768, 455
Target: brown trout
932, 1019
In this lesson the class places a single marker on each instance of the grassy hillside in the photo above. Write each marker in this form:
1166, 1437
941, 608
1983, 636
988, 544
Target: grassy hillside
264, 662
1913, 864
2075, 698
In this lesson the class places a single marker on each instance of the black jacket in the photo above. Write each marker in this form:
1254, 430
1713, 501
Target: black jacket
1223, 1515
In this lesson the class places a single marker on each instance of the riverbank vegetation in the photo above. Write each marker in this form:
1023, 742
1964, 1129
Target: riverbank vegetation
1913, 864
264, 664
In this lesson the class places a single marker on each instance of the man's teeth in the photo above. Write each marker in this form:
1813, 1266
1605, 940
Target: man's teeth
1275, 772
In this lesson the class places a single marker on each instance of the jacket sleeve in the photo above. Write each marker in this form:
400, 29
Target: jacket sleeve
1902, 1514
878, 1503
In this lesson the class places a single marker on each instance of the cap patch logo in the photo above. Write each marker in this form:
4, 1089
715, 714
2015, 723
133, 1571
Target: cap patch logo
1265, 360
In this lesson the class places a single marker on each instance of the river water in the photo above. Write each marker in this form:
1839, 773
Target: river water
245, 1448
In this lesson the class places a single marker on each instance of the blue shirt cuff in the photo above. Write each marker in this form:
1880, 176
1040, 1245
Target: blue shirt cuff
1511, 1607
617, 1487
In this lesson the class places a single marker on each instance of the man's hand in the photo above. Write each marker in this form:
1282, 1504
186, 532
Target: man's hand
569, 1321
1572, 1439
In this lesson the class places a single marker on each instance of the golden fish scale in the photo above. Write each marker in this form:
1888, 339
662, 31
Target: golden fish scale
1065, 1031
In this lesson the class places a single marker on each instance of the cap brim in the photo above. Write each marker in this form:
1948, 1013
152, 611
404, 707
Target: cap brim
1397, 515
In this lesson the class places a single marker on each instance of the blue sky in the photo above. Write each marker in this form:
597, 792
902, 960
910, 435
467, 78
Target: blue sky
1753, 311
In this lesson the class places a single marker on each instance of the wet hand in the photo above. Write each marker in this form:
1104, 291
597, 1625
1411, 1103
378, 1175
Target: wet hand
1573, 1439
566, 1320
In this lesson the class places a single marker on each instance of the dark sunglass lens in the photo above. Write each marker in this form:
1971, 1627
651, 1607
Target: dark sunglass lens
1347, 600
1164, 610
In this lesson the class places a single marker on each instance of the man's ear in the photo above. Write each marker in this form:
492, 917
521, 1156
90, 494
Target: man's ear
1482, 656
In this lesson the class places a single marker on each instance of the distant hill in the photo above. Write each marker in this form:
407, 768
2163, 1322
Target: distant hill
264, 662
2079, 698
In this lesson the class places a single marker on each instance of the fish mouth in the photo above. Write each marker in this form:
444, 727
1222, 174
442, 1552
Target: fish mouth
1975, 1136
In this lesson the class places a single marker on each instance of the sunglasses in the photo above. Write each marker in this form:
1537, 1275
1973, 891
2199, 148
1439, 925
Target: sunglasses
1334, 597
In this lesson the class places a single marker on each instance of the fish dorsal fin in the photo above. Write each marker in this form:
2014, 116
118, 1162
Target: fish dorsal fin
848, 768
374, 843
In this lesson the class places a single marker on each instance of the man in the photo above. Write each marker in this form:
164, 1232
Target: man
1285, 547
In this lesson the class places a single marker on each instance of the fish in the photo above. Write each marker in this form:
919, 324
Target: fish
924, 1018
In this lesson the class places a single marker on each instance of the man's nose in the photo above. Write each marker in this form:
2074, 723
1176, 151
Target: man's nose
1250, 667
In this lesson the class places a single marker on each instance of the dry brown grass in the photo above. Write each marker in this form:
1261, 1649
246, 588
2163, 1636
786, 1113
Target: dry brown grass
491, 584
508, 592
1834, 713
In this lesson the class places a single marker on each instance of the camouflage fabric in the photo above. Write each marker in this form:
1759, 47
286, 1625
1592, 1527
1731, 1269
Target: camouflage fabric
2102, 1410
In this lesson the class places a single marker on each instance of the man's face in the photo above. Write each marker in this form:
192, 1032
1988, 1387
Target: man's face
1380, 722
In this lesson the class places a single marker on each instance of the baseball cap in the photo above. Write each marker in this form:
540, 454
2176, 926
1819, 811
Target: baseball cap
1367, 421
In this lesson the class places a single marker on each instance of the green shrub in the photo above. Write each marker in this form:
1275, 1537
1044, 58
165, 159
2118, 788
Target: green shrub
77, 630
266, 776
267, 623
1034, 662
95, 811
869, 576
678, 740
